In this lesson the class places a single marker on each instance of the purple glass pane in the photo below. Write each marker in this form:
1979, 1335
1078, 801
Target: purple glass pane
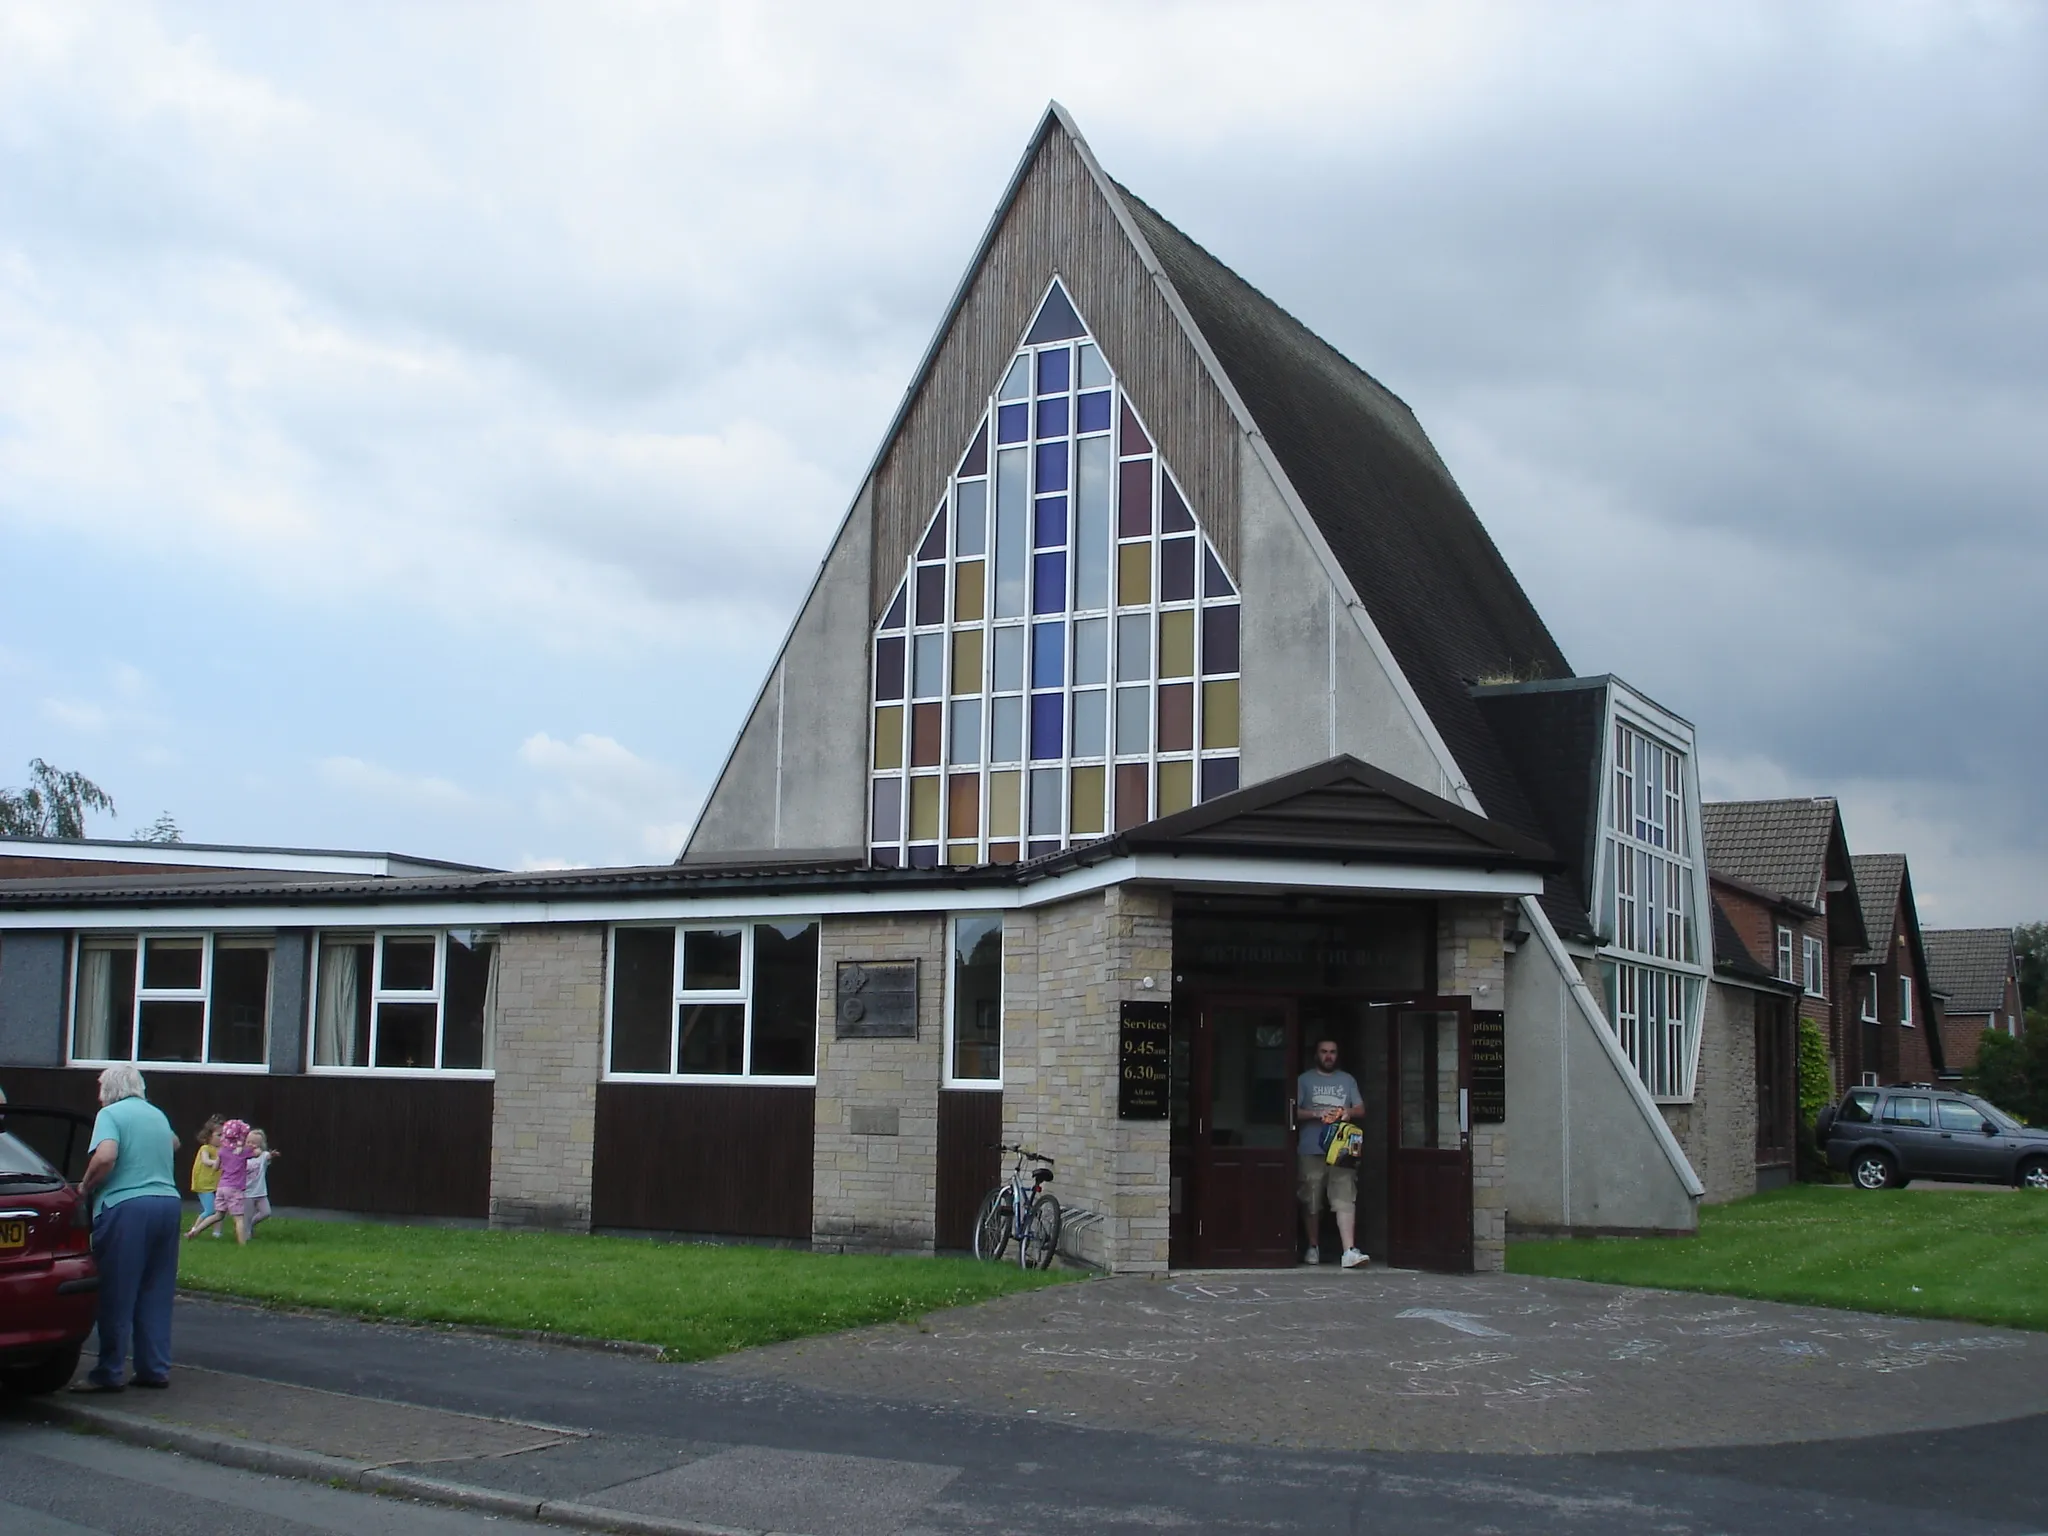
1214, 582
934, 545
976, 462
1130, 437
1176, 570
1056, 320
893, 619
888, 822
1091, 413
1134, 499
1174, 516
1039, 847
931, 594
889, 667
1054, 369
1052, 466
1049, 523
924, 856
1052, 417
886, 858
1046, 710
1219, 640
1219, 776
1049, 582
1048, 655
1013, 423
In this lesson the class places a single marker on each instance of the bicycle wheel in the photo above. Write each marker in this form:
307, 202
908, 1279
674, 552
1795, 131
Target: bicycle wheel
994, 1223
1041, 1232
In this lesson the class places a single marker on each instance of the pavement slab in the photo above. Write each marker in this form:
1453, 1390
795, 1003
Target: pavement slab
759, 1488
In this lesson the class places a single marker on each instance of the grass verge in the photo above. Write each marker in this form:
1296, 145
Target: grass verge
695, 1300
1980, 1257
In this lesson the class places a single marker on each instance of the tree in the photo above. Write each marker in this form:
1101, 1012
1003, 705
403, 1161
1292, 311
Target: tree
2030, 948
2013, 1074
53, 805
162, 830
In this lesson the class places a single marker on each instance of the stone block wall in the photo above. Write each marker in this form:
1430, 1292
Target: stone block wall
874, 1184
548, 1055
1471, 961
1717, 1129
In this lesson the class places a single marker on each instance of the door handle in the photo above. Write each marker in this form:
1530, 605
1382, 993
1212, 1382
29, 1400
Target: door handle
1464, 1111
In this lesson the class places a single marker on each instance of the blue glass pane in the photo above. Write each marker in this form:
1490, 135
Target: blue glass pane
1219, 776
1052, 466
1049, 582
893, 619
1052, 417
1049, 523
1219, 639
1134, 647
1048, 655
1094, 370
963, 741
970, 519
1091, 651
976, 462
1176, 570
1045, 726
1006, 730
888, 810
1214, 582
931, 594
1009, 670
1012, 517
1092, 413
1134, 719
886, 858
1038, 848
928, 667
1017, 382
1091, 710
934, 545
1053, 371
924, 855
1047, 801
1174, 516
1056, 320
889, 667
1013, 423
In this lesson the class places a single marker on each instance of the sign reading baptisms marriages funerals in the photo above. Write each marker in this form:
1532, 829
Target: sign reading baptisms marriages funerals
877, 1000
1142, 1046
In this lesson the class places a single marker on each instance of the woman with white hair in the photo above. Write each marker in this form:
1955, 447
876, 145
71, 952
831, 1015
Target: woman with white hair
136, 1217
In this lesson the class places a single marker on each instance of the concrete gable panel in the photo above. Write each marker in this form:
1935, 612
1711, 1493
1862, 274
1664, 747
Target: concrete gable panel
32, 973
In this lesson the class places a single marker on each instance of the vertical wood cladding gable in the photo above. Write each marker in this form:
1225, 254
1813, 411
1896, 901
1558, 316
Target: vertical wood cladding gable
1059, 223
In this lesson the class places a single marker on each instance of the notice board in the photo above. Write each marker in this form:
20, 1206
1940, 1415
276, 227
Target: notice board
1489, 1067
1144, 1031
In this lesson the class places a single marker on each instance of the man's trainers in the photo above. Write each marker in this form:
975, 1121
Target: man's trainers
1353, 1259
1313, 1256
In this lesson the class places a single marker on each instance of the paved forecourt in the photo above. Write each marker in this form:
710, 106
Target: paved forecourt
1399, 1361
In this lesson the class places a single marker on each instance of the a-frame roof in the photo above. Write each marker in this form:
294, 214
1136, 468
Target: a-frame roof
1880, 881
1970, 965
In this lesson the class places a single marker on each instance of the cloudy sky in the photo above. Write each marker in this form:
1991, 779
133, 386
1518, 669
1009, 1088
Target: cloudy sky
418, 423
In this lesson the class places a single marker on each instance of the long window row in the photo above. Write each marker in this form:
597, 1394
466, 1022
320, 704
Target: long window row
171, 998
415, 1001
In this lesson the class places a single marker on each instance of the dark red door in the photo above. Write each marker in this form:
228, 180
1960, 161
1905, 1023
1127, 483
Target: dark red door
1429, 1126
1244, 1151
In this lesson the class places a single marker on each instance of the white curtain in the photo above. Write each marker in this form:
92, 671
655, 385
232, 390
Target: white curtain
490, 1003
334, 1016
93, 1039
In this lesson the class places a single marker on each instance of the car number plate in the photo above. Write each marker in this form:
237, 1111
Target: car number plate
13, 1234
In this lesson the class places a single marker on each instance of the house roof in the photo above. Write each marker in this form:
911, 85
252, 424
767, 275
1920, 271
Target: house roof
1879, 879
1732, 956
1550, 735
1779, 846
34, 858
1971, 965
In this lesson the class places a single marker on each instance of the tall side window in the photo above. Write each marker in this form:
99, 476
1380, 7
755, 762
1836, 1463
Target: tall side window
1815, 966
1784, 954
190, 998
975, 1020
717, 1002
1870, 998
1906, 1001
418, 1001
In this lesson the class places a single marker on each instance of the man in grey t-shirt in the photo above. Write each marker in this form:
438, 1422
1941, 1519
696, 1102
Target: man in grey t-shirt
1325, 1096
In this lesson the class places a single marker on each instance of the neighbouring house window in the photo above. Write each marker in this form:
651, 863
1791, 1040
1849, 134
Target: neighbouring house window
1870, 998
1061, 660
196, 998
715, 1001
975, 1051
1785, 954
1906, 1001
1816, 967
414, 1001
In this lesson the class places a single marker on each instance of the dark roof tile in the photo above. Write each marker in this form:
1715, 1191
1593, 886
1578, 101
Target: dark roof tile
1970, 965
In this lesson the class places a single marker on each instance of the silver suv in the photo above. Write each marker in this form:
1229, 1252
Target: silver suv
1884, 1137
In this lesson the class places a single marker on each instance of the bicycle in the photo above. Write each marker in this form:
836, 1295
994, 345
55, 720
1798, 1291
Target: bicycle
1020, 1212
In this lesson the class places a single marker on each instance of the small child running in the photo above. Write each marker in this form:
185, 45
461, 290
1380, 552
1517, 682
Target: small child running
206, 1171
257, 1183
231, 1198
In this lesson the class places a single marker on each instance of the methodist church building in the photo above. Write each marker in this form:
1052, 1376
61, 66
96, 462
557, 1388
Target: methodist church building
1160, 708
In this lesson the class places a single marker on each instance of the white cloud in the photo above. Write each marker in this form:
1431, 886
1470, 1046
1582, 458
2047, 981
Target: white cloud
637, 808
373, 781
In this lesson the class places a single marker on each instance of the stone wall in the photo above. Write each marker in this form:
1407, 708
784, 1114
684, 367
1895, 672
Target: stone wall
1472, 962
548, 1054
1718, 1128
874, 1184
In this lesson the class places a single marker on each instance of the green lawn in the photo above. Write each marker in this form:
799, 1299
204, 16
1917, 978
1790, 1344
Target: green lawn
695, 1300
1977, 1256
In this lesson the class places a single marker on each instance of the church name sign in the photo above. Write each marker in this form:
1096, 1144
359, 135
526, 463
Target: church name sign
877, 1000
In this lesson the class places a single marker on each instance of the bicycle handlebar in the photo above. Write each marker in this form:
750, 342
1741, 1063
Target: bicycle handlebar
1036, 1157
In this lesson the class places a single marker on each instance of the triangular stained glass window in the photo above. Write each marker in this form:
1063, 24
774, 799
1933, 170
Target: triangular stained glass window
1071, 662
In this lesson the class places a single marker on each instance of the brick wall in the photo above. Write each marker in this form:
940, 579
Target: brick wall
1718, 1128
874, 1184
548, 1057
1472, 962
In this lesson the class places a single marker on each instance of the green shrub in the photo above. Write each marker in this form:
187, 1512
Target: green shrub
1816, 1092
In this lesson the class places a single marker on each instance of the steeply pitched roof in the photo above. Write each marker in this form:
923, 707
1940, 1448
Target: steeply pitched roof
1971, 965
1731, 955
1780, 846
1879, 879
1550, 735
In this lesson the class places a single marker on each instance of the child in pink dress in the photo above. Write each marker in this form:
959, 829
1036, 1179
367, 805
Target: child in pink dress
232, 1197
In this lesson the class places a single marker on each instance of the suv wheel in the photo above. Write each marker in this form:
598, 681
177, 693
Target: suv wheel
2033, 1173
1874, 1170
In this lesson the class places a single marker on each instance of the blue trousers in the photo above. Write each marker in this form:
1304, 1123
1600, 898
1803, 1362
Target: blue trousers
136, 1244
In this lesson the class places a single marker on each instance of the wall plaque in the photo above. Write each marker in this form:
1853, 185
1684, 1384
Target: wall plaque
1144, 1036
1489, 1067
877, 1000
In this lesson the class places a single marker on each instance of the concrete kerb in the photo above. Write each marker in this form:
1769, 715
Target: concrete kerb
310, 1466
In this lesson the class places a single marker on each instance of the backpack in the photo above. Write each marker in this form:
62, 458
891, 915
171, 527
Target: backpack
1342, 1144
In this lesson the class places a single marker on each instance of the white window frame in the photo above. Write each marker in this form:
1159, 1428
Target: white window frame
1867, 1012
1906, 1003
746, 1076
203, 996
977, 1084
1813, 961
379, 995
1784, 971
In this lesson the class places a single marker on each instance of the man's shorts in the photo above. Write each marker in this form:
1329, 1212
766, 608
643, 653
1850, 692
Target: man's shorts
1323, 1188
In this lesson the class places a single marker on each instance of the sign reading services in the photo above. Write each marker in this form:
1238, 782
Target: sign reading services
1489, 1067
877, 1000
1144, 1032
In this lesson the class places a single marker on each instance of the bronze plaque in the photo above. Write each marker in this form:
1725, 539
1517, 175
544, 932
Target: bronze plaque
877, 1000
1489, 1067
1144, 1033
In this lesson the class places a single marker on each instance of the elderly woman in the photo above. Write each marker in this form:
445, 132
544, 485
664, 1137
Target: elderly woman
136, 1217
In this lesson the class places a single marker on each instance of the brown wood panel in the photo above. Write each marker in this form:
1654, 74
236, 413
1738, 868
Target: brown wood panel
1058, 223
389, 1146
970, 1125
674, 1157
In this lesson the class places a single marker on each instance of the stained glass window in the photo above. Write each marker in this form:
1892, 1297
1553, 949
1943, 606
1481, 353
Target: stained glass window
1060, 661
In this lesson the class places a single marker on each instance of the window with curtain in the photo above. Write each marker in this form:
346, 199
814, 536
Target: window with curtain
715, 1002
166, 999
411, 1001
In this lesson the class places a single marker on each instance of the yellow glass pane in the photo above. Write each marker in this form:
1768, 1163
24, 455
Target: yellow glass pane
924, 810
1176, 787
889, 736
963, 853
1005, 803
1133, 574
1177, 643
1087, 801
1219, 713
967, 661
967, 591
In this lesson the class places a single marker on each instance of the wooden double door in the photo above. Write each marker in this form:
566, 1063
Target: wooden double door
1237, 1204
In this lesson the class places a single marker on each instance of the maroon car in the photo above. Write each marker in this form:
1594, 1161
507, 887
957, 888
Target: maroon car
48, 1279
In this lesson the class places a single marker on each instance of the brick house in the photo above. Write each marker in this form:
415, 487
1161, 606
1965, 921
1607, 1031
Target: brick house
1977, 974
1896, 1036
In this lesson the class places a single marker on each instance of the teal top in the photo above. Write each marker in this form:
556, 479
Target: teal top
145, 1147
